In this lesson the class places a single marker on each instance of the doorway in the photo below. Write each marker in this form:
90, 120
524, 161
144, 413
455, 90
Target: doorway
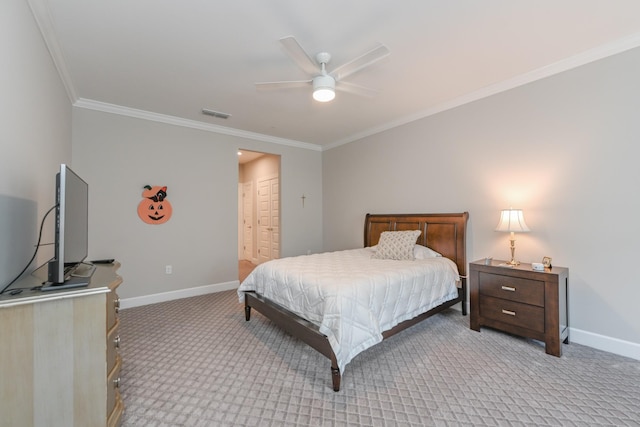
258, 208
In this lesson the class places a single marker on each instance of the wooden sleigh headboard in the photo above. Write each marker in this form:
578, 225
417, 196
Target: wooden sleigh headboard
444, 233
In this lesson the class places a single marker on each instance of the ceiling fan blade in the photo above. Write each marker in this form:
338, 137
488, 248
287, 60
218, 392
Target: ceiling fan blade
283, 85
355, 65
356, 89
299, 55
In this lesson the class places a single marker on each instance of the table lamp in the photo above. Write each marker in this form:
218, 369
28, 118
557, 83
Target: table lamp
512, 220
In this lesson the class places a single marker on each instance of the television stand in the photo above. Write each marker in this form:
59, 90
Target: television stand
84, 270
60, 353
80, 276
72, 282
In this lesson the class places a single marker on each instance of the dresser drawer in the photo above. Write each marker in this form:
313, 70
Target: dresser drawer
113, 344
513, 313
113, 305
526, 291
115, 418
113, 385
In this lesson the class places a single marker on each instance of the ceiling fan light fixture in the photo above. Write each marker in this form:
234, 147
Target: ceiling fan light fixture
324, 94
324, 88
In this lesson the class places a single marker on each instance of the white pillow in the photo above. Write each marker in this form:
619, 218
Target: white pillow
419, 252
422, 252
396, 245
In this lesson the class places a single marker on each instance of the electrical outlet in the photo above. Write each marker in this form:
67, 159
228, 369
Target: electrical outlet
168, 269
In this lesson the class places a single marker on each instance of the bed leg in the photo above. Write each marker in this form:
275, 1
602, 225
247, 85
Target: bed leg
335, 376
462, 294
247, 312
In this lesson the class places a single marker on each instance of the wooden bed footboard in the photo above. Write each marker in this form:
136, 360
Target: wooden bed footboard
295, 325
310, 334
444, 233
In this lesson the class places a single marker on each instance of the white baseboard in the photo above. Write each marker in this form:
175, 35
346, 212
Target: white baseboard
578, 336
182, 293
602, 342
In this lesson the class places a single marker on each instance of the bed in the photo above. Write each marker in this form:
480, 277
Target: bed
296, 293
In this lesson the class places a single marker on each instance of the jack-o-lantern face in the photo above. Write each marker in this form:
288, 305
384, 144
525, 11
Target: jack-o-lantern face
154, 208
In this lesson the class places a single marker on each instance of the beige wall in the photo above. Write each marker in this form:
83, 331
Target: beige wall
565, 149
35, 137
119, 155
266, 165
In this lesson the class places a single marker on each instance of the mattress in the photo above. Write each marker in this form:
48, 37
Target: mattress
351, 297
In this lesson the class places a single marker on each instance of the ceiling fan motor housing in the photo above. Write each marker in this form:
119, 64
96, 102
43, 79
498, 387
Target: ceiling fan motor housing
324, 82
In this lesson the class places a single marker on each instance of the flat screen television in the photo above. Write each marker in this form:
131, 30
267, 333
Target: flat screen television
71, 228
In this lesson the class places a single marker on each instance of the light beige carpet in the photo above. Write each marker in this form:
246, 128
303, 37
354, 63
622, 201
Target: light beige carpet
197, 362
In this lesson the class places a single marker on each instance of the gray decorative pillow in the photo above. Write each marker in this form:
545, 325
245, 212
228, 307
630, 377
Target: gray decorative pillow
396, 245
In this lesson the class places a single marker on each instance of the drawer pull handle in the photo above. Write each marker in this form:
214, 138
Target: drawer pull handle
116, 342
116, 383
508, 288
116, 304
509, 312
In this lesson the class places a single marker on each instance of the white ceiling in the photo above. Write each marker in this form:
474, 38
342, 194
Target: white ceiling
168, 59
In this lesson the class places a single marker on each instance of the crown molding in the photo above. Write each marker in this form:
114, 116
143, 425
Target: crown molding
42, 15
591, 55
193, 124
44, 21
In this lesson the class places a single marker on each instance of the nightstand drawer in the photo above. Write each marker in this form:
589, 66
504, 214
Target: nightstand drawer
526, 291
513, 313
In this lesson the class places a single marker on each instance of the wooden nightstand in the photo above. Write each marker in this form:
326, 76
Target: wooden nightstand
521, 301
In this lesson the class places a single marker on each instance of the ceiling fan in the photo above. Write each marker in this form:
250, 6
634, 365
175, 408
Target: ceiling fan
326, 83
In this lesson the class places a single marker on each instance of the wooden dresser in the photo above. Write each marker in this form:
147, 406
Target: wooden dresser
59, 352
521, 301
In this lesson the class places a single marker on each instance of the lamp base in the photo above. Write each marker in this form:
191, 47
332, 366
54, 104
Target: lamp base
512, 246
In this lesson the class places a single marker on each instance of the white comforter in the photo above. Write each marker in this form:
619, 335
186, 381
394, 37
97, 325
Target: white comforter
352, 297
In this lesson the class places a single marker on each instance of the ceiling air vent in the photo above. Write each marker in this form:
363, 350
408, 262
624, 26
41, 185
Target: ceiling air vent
217, 114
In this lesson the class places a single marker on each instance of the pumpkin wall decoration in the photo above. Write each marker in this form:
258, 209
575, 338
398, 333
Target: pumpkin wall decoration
154, 208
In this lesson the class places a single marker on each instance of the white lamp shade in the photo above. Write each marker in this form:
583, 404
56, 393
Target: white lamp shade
512, 220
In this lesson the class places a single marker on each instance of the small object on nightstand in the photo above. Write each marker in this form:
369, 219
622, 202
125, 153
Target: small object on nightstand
546, 261
537, 266
487, 260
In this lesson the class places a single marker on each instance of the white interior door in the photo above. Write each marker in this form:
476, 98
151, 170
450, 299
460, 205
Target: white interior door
268, 219
247, 220
240, 256
275, 217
